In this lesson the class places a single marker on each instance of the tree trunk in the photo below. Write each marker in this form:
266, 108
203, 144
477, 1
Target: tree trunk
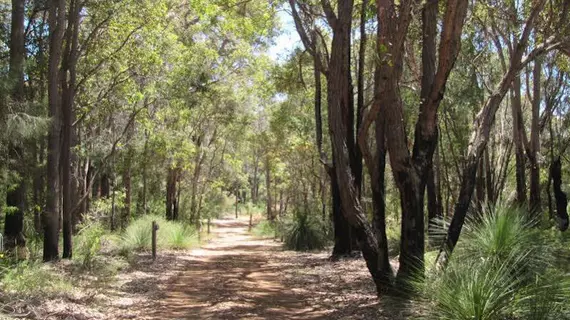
126, 216
480, 186
67, 78
342, 236
198, 161
113, 205
16, 196
518, 131
171, 179
378, 186
559, 196
534, 197
145, 174
268, 188
342, 233
433, 204
39, 186
480, 137
105, 189
357, 162
237, 201
86, 186
51, 220
255, 180
339, 99
489, 178
426, 131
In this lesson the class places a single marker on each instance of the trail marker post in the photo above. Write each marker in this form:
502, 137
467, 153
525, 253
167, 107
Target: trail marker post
154, 229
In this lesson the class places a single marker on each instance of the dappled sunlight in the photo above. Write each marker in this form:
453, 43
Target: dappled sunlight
232, 277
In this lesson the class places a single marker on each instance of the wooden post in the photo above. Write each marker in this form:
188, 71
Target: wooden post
237, 198
154, 229
250, 211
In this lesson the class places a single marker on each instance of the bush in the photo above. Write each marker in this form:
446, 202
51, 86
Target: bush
138, 235
35, 245
88, 243
304, 233
174, 235
265, 229
502, 268
33, 280
170, 235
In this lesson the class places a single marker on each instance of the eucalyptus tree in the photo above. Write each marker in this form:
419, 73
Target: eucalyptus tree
555, 37
410, 171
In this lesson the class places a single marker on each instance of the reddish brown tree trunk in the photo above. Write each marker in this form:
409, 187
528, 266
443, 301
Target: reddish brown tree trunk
342, 237
378, 186
343, 240
480, 137
339, 99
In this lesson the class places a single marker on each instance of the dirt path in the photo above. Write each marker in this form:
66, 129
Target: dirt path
234, 276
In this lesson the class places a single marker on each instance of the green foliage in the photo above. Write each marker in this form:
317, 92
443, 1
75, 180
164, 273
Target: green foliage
22, 126
304, 233
34, 244
138, 235
393, 231
502, 269
217, 204
33, 279
88, 243
265, 229
177, 236
170, 235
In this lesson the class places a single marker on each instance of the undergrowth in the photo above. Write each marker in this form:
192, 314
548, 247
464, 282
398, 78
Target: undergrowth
265, 229
170, 235
305, 232
95, 250
502, 268
88, 243
33, 279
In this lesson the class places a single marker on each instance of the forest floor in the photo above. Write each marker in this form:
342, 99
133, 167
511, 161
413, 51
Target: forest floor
233, 276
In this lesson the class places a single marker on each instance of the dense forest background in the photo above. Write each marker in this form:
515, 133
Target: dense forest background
395, 130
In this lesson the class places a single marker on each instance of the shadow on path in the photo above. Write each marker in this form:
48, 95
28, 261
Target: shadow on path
232, 277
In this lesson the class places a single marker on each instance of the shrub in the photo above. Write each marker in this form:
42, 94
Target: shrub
35, 245
304, 233
393, 236
137, 236
88, 243
265, 229
174, 235
170, 235
33, 280
502, 268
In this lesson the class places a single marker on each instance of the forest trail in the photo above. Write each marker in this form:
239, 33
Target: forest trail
234, 276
